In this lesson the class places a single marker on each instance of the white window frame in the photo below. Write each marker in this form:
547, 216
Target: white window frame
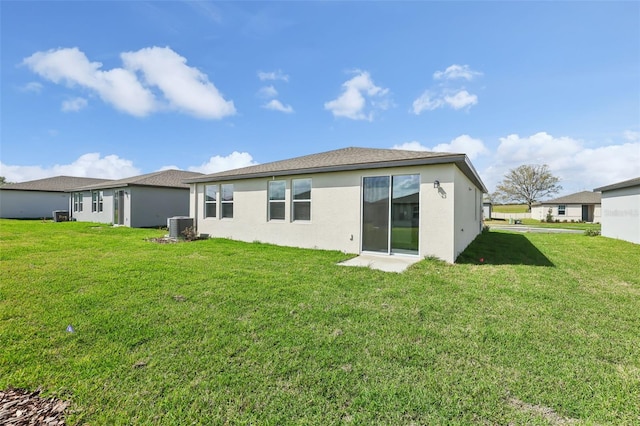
224, 202
207, 203
562, 212
77, 201
273, 201
300, 201
97, 201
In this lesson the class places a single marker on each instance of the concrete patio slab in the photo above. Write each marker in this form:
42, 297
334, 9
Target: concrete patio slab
382, 262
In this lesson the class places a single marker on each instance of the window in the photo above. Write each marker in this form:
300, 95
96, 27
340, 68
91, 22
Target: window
210, 200
561, 210
301, 199
96, 201
77, 201
226, 201
276, 199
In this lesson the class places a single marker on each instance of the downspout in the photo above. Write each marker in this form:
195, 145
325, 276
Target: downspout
195, 206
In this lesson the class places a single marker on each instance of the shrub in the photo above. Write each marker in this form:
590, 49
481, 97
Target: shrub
591, 232
190, 233
549, 215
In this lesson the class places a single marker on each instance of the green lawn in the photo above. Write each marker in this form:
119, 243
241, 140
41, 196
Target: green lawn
538, 224
525, 329
510, 208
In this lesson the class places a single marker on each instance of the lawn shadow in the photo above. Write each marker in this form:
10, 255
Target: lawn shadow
502, 248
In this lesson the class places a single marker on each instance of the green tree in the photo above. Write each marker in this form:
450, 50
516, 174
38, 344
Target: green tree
3, 181
528, 184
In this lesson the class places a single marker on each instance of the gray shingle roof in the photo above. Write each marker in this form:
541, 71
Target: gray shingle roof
584, 197
164, 179
620, 185
53, 184
346, 159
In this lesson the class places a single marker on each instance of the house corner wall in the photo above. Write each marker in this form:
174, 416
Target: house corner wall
467, 212
621, 214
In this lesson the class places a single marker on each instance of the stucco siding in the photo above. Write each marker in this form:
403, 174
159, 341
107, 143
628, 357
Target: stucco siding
86, 215
467, 212
16, 204
151, 206
336, 211
572, 212
143, 206
621, 214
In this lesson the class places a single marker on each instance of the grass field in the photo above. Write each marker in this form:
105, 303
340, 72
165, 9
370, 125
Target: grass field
536, 223
525, 329
510, 208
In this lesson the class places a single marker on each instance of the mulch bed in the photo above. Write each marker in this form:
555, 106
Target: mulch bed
22, 408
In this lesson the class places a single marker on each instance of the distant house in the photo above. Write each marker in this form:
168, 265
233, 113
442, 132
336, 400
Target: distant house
138, 202
579, 207
37, 199
621, 210
487, 210
356, 200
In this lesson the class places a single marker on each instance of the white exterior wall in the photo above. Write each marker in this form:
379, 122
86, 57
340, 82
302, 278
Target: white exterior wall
336, 205
572, 212
621, 214
86, 215
467, 212
17, 204
152, 206
143, 206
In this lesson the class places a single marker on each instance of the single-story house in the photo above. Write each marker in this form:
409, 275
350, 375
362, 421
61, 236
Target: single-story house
138, 202
487, 209
579, 207
621, 210
37, 199
356, 200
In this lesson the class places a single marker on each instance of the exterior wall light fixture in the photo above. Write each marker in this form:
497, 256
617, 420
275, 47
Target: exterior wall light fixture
436, 184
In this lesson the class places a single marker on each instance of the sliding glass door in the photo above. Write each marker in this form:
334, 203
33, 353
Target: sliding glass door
375, 214
118, 207
390, 214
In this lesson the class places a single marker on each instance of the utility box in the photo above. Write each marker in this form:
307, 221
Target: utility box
178, 224
60, 216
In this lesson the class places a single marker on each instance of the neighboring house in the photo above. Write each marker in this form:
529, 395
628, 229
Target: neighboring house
579, 207
354, 200
37, 199
138, 202
621, 210
487, 209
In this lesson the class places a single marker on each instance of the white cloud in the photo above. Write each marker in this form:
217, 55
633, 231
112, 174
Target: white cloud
352, 103
456, 72
430, 101
118, 87
33, 86
75, 104
463, 144
184, 88
87, 165
461, 99
217, 163
427, 101
444, 95
276, 105
578, 167
631, 136
267, 92
411, 146
274, 75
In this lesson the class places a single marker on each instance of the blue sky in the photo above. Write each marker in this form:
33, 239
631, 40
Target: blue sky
114, 89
